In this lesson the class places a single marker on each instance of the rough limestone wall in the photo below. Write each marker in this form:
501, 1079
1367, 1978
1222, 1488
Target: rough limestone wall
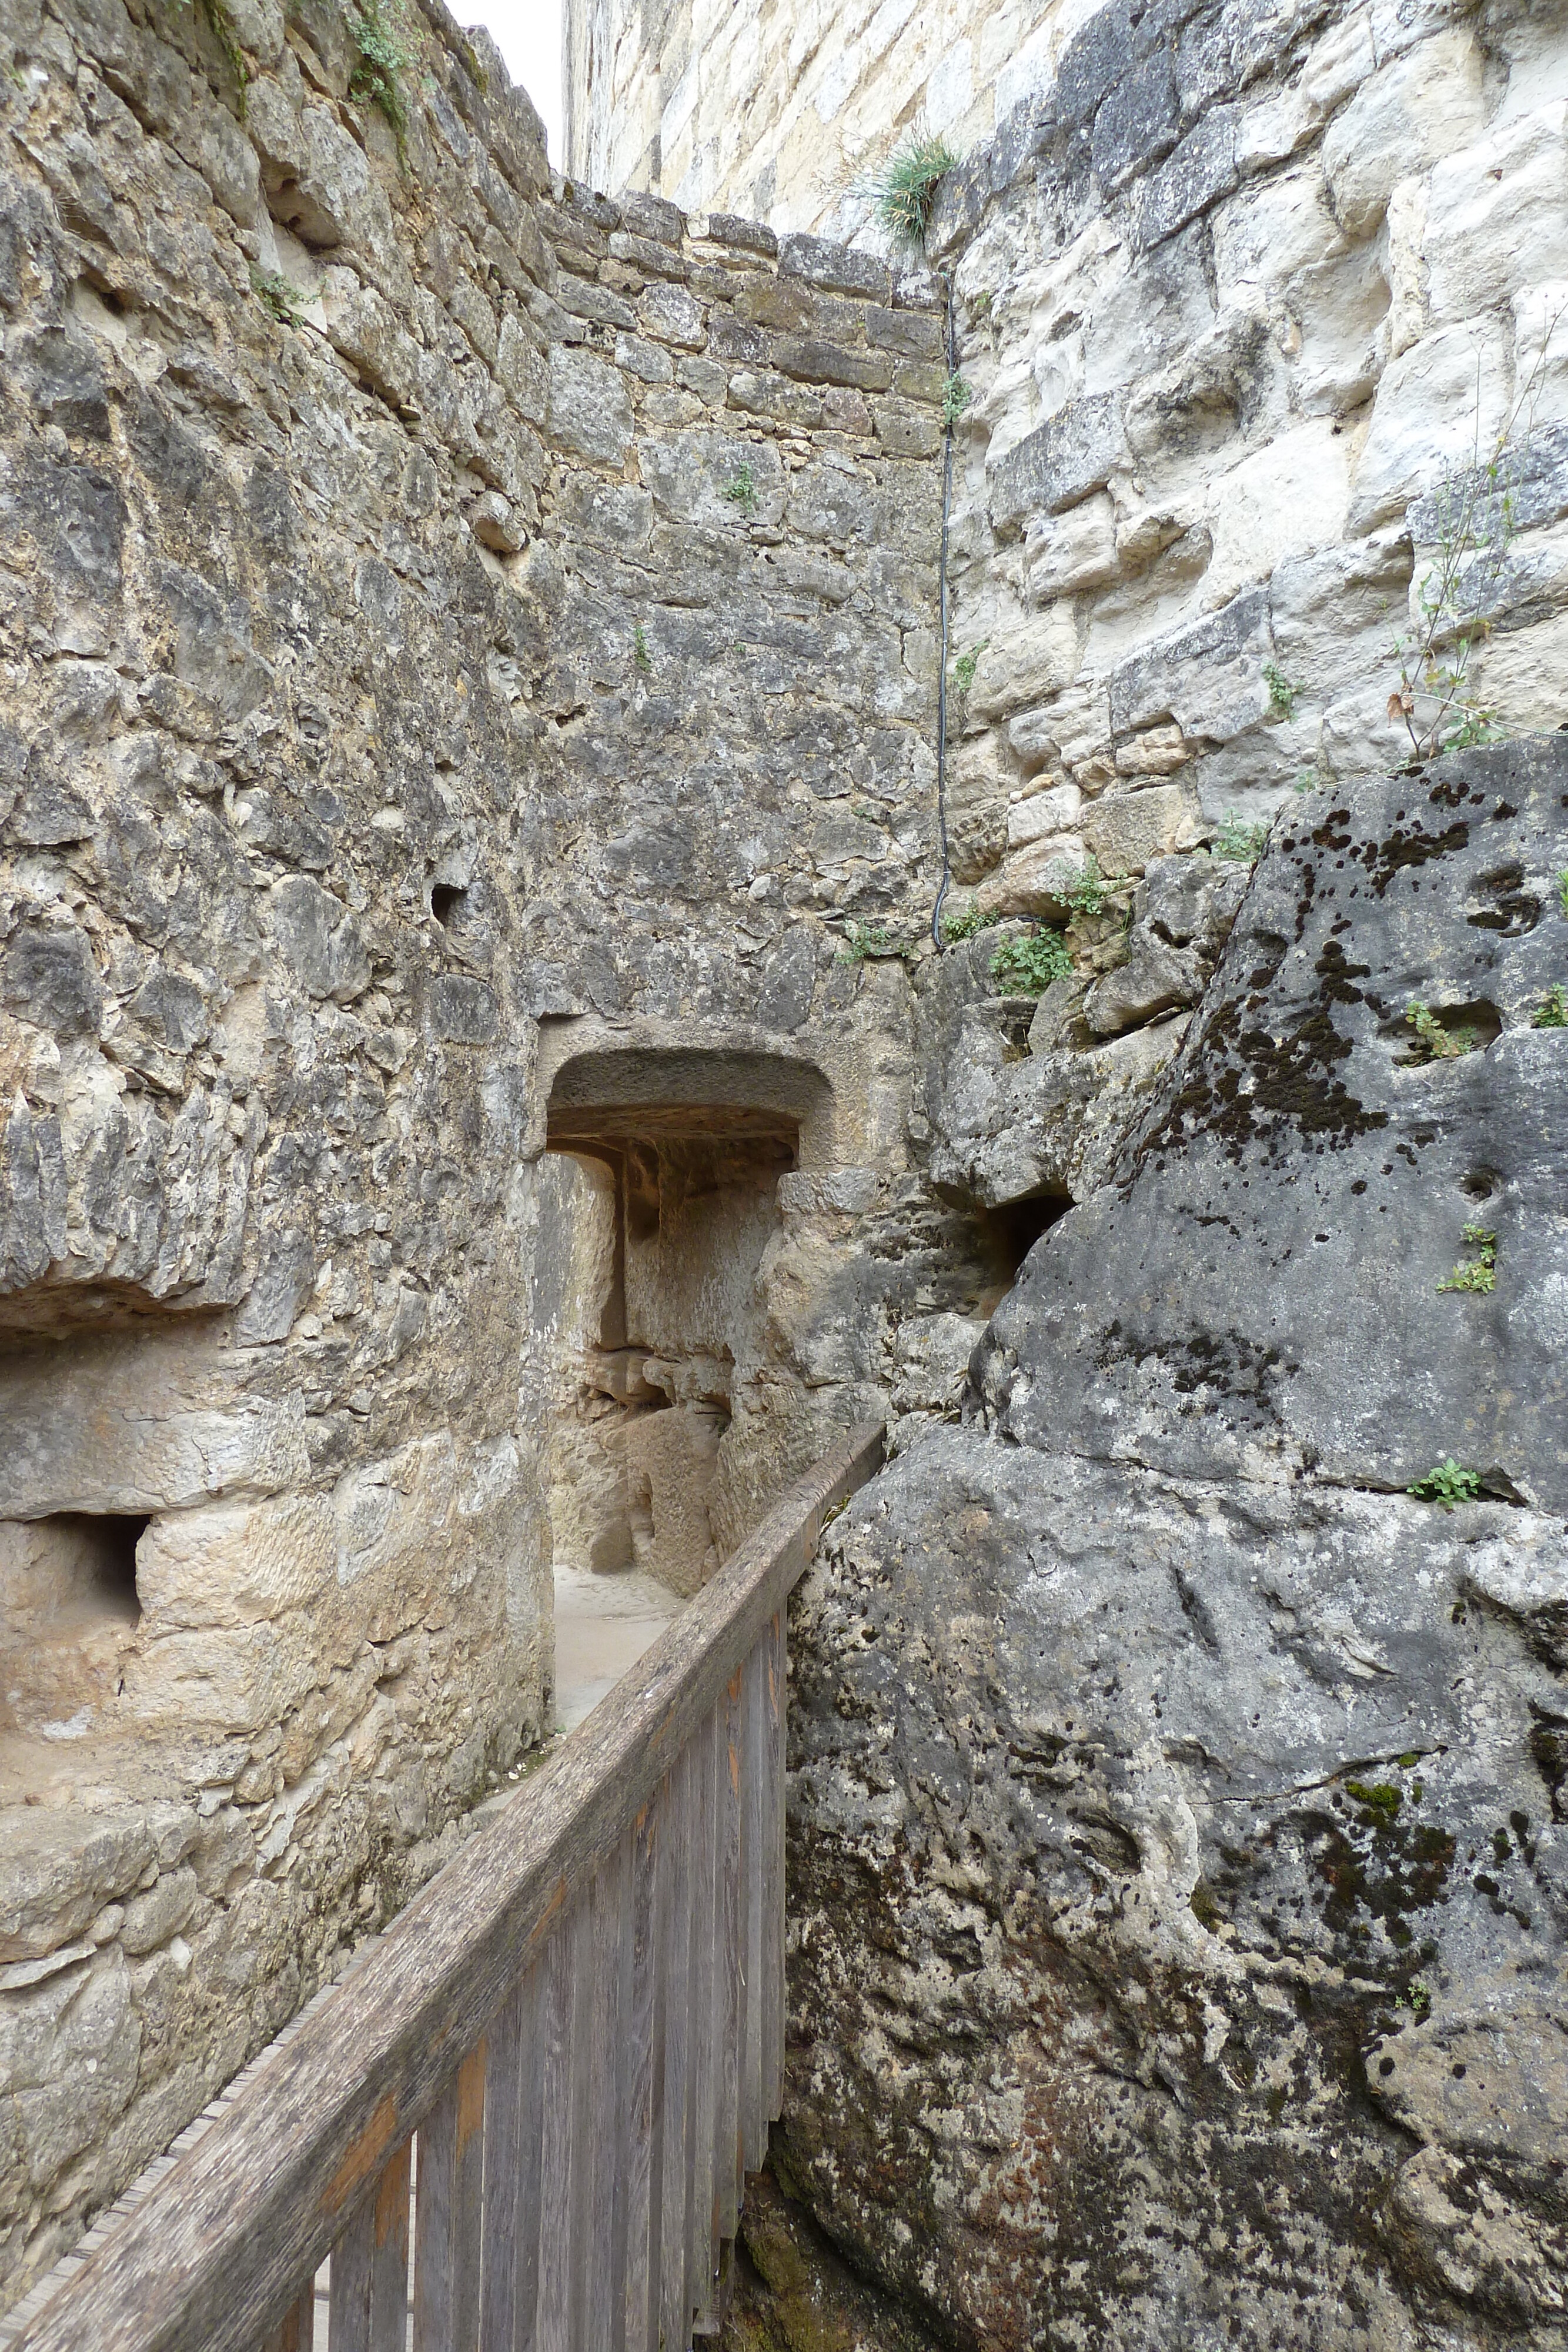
1175, 1812
777, 111
393, 694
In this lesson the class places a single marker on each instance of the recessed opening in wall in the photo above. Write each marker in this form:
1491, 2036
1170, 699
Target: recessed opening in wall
84, 1564
1010, 1231
445, 899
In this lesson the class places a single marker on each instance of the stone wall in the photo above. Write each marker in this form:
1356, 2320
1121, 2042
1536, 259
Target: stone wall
779, 110
444, 621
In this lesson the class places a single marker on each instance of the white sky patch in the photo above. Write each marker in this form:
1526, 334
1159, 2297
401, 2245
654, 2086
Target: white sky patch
528, 34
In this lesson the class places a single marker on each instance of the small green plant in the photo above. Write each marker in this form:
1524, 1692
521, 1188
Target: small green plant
742, 491
1283, 695
1552, 1012
957, 396
1417, 1996
1475, 511
1085, 894
966, 926
1238, 841
1432, 1040
1380, 1797
639, 653
870, 943
377, 79
277, 295
1447, 1486
1028, 964
1479, 1272
221, 24
905, 190
981, 307
1562, 889
965, 665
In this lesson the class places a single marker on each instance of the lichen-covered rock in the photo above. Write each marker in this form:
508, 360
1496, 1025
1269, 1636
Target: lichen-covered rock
1178, 1862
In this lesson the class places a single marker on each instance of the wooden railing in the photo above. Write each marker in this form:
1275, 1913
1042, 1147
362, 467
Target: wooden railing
527, 2114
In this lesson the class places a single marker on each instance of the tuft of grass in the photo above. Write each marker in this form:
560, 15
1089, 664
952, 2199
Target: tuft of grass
957, 396
1446, 1485
1238, 841
1438, 1043
639, 653
873, 943
1562, 889
377, 79
277, 294
905, 190
1552, 1011
742, 491
1028, 964
1086, 892
1283, 695
1479, 1272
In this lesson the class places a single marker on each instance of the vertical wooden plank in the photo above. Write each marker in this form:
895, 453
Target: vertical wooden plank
349, 2292
675, 2024
525, 2199
773, 1876
553, 2324
705, 1751
498, 2250
448, 2216
603, 2192
584, 1969
643, 2079
389, 2255
753, 2123
295, 2332
728, 1957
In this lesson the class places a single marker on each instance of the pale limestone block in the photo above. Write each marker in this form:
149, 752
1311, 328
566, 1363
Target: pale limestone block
1067, 553
1036, 880
1340, 309
1294, 493
1024, 664
1540, 352
1497, 214
1522, 674
1424, 105
1158, 752
1334, 612
1439, 408
1053, 811
1405, 264
1358, 738
1126, 831
1272, 127
588, 410
1264, 234
235, 1564
1075, 726
1338, 61
69, 2050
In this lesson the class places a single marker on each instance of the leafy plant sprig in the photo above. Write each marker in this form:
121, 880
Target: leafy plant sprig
1030, 962
742, 491
965, 665
964, 926
1552, 1013
873, 943
1447, 1484
1283, 695
1238, 840
1086, 892
958, 395
1479, 1272
639, 653
278, 294
1438, 1043
383, 60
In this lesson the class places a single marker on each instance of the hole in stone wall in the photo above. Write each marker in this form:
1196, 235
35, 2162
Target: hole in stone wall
445, 900
85, 1567
1010, 1231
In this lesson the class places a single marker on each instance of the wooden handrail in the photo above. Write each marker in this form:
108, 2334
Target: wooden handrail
231, 2234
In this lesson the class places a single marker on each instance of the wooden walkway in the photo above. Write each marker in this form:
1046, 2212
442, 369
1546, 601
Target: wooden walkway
522, 2119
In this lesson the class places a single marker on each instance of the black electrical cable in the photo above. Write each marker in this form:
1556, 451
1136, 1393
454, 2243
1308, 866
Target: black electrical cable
941, 621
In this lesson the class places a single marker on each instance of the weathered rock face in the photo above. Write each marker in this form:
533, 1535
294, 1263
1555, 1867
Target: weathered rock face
1178, 1849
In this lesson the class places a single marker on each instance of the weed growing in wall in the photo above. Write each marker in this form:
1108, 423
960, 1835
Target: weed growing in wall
1476, 517
277, 295
1085, 894
1479, 1272
1552, 1013
1283, 695
965, 665
957, 396
639, 653
383, 60
742, 491
1028, 964
1432, 1041
966, 926
1562, 889
905, 190
221, 24
1238, 841
1447, 1484
873, 943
